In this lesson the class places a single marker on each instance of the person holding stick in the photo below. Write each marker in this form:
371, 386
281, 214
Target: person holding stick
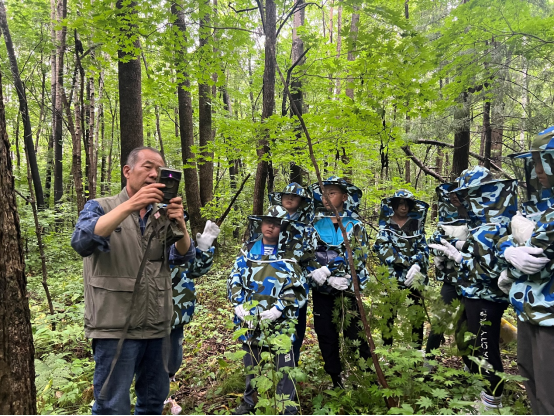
330, 274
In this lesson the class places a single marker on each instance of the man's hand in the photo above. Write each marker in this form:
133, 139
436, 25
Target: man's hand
148, 194
439, 260
241, 312
175, 211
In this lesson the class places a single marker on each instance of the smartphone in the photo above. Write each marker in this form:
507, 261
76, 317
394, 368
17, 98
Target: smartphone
171, 179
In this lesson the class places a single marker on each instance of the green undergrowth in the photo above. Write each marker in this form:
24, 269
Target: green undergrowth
211, 379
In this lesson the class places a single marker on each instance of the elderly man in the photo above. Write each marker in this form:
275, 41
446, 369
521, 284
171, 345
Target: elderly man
112, 234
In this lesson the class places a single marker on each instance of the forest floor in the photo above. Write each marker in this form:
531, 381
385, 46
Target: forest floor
208, 381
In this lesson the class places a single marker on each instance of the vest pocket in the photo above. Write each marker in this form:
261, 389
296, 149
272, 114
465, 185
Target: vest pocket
111, 302
164, 300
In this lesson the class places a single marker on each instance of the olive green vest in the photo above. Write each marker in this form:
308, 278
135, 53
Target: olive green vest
110, 280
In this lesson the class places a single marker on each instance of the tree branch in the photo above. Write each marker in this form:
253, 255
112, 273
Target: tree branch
473, 154
420, 164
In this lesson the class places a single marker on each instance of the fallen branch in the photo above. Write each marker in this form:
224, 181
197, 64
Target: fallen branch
473, 154
220, 220
420, 165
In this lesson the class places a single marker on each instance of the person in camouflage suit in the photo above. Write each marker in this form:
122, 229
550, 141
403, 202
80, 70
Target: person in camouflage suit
330, 274
401, 246
298, 203
184, 292
529, 280
267, 271
494, 203
452, 227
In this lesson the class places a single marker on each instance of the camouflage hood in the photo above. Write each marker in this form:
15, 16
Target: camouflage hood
448, 213
490, 200
417, 212
290, 230
306, 207
351, 205
539, 198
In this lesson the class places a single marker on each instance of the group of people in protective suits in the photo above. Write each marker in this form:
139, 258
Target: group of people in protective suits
487, 254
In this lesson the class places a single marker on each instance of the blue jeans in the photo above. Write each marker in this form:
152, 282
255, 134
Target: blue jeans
176, 350
143, 357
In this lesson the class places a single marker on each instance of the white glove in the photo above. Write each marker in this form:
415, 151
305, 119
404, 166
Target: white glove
522, 228
522, 259
340, 283
504, 282
241, 312
448, 250
439, 260
414, 270
459, 244
205, 240
271, 314
320, 275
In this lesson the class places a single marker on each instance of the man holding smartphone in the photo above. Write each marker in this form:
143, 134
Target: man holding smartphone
112, 235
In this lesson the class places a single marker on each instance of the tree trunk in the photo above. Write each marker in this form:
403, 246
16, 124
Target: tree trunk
23, 108
460, 158
205, 166
130, 101
192, 191
93, 139
345, 157
17, 353
268, 104
75, 131
497, 131
58, 107
487, 134
339, 47
296, 84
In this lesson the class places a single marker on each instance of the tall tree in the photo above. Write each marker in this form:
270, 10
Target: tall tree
17, 368
23, 106
296, 84
58, 105
268, 106
205, 137
129, 77
186, 129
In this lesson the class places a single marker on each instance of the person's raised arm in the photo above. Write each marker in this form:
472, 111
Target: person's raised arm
147, 195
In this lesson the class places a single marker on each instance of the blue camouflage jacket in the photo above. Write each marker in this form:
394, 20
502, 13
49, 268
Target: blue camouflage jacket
271, 280
533, 295
494, 203
184, 292
450, 227
400, 248
330, 249
303, 218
